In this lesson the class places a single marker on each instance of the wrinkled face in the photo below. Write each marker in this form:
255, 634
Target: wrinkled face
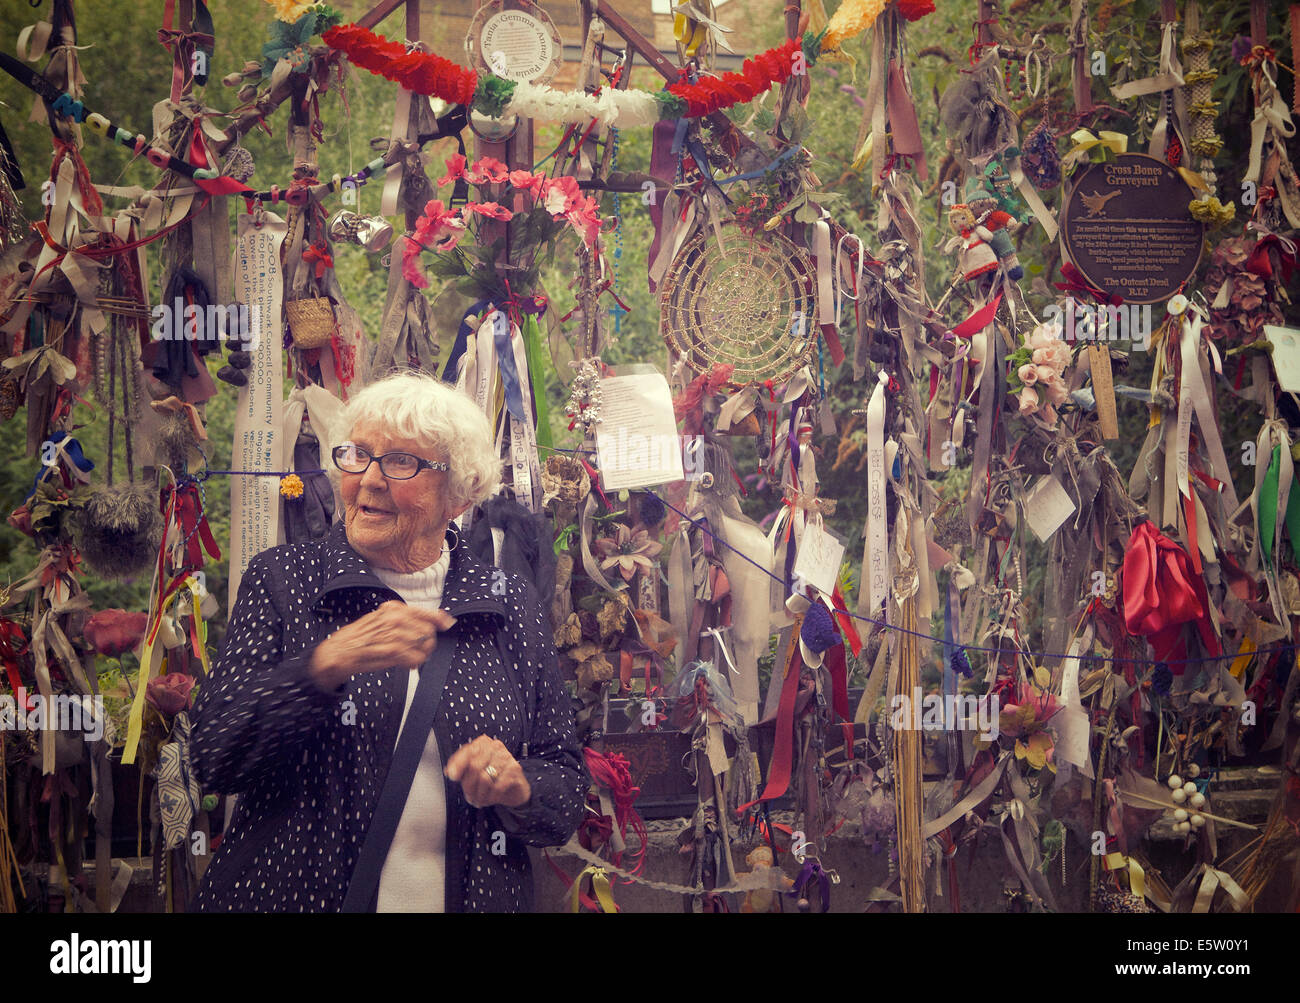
398, 525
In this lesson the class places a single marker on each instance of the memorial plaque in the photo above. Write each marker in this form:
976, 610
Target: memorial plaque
519, 42
1127, 228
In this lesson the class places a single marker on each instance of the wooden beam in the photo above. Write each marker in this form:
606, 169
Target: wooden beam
380, 11
667, 70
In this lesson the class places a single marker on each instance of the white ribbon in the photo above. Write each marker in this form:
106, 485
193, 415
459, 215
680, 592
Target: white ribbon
1170, 73
840, 294
826, 312
1271, 113
875, 548
259, 423
393, 178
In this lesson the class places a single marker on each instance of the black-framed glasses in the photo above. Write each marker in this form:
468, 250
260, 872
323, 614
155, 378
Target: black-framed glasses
352, 459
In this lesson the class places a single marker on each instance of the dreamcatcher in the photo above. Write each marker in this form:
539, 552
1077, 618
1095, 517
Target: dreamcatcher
748, 301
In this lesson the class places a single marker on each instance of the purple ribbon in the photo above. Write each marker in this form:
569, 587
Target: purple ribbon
812, 870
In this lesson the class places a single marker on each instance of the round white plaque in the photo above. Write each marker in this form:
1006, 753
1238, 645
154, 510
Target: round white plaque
519, 43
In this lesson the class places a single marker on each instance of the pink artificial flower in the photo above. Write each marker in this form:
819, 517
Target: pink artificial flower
1048, 414
492, 169
1057, 392
585, 218
1047, 374
491, 209
525, 181
1028, 400
1041, 356
439, 229
560, 194
455, 169
411, 270
1060, 353
1028, 374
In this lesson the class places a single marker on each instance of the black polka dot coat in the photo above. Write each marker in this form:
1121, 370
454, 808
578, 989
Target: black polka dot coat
309, 765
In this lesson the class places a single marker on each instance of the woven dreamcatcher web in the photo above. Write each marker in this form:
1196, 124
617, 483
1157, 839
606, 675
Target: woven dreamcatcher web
745, 300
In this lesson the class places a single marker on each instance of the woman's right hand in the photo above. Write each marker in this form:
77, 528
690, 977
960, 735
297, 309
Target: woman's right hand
394, 634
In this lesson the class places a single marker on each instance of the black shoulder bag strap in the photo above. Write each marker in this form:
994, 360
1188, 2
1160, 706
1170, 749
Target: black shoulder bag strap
364, 886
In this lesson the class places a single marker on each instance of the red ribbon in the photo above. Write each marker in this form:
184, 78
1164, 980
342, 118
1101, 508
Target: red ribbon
1162, 593
613, 772
318, 254
979, 320
13, 645
1076, 283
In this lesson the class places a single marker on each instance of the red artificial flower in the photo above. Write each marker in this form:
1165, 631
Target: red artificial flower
914, 10
411, 270
455, 170
560, 194
490, 209
525, 181
113, 632
493, 170
170, 694
419, 72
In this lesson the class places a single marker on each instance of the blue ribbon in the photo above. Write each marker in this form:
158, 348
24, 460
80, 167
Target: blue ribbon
506, 363
760, 171
73, 453
458, 346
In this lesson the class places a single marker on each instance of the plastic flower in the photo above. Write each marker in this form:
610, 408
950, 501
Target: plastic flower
1027, 719
112, 632
170, 694
490, 209
585, 218
1028, 374
411, 270
439, 229
851, 18
289, 11
628, 551
291, 486
455, 169
560, 195
914, 10
526, 181
491, 169
1028, 400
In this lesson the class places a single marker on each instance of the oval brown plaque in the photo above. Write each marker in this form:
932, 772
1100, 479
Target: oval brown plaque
1127, 228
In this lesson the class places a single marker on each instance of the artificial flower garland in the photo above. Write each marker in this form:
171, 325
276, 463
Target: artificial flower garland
431, 74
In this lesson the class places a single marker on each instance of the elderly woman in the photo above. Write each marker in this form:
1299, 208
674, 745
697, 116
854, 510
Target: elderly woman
388, 708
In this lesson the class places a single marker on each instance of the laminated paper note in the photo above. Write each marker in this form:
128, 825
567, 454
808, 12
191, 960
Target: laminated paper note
637, 444
1047, 505
259, 423
1286, 355
819, 559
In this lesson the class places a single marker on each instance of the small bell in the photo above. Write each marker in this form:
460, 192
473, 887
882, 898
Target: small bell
373, 233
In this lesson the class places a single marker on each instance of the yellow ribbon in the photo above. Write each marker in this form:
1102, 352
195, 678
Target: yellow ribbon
1086, 141
1137, 879
599, 885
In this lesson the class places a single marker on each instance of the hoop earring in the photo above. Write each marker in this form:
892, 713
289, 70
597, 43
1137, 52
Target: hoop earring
455, 542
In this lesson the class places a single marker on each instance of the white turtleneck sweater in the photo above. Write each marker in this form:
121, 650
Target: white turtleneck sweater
415, 868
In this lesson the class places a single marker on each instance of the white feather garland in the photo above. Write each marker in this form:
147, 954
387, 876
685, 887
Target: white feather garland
610, 107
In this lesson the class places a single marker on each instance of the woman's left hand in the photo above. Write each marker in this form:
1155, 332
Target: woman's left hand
503, 784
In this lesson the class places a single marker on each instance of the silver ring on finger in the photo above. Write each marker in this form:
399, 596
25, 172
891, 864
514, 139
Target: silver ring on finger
492, 772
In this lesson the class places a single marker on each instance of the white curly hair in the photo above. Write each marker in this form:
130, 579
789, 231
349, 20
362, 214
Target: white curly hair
418, 406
